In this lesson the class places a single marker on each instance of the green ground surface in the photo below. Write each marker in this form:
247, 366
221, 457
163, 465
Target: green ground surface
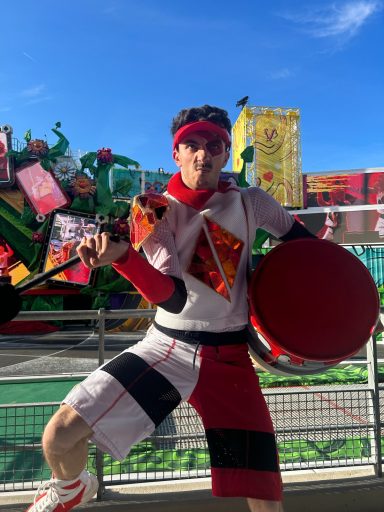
35, 392
56, 390
24, 425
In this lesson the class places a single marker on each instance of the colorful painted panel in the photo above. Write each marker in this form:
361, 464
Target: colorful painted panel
278, 162
65, 232
41, 189
274, 133
336, 189
6, 168
345, 189
10, 265
239, 139
346, 227
373, 259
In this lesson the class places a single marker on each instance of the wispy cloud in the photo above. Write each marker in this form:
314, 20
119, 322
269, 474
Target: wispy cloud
142, 15
280, 74
29, 96
33, 92
337, 21
30, 57
40, 99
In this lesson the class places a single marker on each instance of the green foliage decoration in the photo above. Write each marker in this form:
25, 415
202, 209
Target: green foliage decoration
19, 227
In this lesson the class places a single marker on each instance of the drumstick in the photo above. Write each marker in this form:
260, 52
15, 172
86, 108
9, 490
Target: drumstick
10, 300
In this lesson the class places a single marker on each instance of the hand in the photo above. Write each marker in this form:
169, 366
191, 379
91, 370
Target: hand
100, 250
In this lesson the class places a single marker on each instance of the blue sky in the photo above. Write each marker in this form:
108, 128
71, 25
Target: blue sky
115, 72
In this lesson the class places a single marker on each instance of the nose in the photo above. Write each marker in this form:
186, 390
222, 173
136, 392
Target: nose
203, 153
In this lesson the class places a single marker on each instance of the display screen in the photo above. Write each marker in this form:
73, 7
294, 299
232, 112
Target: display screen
66, 230
41, 189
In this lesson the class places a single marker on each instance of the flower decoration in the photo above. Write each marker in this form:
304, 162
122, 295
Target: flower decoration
64, 171
2, 149
37, 238
121, 226
83, 186
104, 156
37, 147
40, 217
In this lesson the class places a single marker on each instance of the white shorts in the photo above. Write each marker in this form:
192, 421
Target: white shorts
124, 400
128, 397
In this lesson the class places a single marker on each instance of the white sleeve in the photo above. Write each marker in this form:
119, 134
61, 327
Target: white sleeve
161, 252
269, 214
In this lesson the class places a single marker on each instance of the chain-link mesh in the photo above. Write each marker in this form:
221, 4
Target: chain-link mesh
322, 428
316, 428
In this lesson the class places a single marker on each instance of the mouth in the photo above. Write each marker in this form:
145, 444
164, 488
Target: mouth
203, 168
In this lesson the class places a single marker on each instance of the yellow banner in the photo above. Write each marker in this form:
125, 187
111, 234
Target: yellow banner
278, 159
275, 135
239, 138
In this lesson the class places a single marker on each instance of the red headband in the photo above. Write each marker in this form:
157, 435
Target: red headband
201, 126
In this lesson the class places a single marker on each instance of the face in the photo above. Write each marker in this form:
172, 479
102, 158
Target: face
201, 157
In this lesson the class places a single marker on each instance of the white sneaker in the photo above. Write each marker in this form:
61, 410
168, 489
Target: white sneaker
63, 495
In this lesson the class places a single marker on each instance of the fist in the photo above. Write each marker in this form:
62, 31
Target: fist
101, 250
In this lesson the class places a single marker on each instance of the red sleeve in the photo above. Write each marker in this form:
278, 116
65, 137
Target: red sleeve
154, 286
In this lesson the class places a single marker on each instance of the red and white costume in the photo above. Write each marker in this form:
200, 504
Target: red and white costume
198, 354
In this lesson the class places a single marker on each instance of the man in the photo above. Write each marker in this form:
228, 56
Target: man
196, 272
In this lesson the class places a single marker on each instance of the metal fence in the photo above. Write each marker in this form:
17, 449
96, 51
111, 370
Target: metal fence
317, 427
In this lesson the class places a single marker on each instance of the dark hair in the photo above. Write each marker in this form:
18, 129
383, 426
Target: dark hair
204, 113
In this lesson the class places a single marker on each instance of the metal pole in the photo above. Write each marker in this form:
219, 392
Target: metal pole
99, 473
101, 315
99, 453
373, 384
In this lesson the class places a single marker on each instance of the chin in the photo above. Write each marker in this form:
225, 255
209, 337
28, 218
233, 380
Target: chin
202, 183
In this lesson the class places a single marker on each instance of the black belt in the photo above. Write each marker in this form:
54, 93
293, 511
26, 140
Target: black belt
213, 339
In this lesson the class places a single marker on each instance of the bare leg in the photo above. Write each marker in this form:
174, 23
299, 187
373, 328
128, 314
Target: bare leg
264, 506
65, 443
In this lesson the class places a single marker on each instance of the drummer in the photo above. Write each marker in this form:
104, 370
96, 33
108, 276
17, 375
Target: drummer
196, 350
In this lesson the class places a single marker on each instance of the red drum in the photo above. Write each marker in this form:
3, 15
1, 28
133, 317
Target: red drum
314, 303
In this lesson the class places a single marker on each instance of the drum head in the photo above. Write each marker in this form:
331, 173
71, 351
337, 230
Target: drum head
313, 300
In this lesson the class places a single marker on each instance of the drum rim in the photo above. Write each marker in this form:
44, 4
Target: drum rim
257, 318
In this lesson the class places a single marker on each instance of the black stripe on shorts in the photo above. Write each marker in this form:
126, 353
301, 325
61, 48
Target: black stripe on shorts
242, 449
151, 390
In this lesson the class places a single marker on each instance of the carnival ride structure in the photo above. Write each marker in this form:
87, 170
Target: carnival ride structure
49, 200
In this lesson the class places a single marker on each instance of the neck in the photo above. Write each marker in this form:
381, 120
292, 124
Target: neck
199, 185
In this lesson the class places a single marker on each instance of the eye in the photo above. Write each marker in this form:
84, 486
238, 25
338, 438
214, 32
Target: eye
191, 146
215, 147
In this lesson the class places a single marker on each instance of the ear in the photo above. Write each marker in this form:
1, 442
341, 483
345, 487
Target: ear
175, 155
226, 158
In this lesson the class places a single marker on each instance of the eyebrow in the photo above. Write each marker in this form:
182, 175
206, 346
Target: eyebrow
188, 141
195, 141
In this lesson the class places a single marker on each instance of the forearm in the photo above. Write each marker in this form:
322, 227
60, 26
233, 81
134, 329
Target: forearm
163, 290
297, 231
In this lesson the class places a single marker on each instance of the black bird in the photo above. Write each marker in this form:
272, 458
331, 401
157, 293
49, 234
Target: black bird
242, 102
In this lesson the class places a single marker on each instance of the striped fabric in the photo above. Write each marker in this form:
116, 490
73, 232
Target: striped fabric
124, 401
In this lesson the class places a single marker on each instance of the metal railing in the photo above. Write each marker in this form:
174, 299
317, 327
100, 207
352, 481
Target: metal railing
318, 427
